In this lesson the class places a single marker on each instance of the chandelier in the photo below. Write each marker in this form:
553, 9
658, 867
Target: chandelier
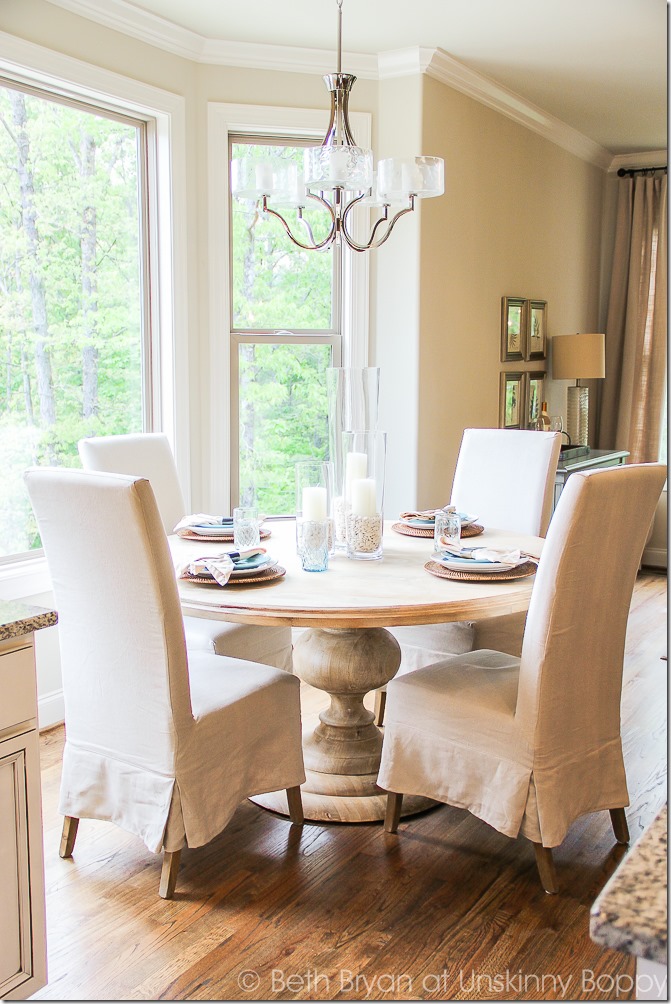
338, 176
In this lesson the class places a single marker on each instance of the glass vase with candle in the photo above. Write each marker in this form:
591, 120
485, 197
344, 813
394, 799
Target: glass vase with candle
364, 456
352, 395
314, 499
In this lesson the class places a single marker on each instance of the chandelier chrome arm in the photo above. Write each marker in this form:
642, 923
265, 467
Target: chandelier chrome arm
314, 246
339, 224
372, 243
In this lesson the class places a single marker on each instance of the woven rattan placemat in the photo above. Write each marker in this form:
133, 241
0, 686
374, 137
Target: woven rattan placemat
265, 575
472, 530
520, 572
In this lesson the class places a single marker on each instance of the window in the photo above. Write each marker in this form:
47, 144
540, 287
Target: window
261, 338
285, 332
73, 328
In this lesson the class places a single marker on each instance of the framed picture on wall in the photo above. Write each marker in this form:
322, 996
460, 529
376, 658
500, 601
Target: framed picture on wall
536, 342
511, 401
535, 383
513, 328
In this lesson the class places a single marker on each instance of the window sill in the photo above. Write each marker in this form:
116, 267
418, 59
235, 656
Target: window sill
24, 577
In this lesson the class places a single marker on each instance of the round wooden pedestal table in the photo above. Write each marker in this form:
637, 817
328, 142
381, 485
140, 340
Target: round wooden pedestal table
347, 652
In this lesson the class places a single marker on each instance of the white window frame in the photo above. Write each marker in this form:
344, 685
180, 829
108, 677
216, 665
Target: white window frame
261, 120
164, 113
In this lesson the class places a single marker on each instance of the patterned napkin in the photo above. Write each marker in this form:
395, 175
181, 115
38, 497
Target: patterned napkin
513, 557
426, 513
219, 566
203, 519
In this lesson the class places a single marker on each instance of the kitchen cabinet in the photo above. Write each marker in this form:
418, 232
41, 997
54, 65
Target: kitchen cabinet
23, 967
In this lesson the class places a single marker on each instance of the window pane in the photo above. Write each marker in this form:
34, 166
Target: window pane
283, 418
70, 291
276, 285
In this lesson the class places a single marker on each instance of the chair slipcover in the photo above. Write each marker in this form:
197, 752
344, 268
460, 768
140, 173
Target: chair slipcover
164, 747
506, 478
530, 744
149, 455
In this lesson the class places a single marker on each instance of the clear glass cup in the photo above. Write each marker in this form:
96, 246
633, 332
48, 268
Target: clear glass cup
446, 530
556, 423
246, 527
312, 540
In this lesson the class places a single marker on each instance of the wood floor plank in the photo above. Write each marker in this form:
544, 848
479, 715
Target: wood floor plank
446, 909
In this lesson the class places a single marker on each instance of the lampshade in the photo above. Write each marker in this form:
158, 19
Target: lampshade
578, 357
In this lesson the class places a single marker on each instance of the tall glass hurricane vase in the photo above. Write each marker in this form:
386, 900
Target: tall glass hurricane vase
353, 396
365, 456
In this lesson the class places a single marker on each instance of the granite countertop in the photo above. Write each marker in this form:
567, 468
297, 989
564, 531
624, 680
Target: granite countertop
630, 913
17, 618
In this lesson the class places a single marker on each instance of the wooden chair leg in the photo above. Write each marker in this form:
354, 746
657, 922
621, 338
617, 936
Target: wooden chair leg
619, 824
546, 868
295, 803
392, 816
169, 874
68, 837
380, 705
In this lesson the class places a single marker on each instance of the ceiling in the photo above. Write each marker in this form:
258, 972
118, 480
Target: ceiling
600, 66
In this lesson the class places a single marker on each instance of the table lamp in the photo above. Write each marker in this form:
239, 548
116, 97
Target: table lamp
578, 357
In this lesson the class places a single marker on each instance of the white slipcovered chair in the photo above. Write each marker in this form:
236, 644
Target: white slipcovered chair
529, 744
149, 455
164, 745
505, 477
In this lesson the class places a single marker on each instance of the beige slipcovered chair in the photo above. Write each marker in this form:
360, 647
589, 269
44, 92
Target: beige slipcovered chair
529, 744
164, 745
505, 477
149, 455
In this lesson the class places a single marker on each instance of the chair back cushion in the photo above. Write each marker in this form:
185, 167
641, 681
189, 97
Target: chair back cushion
568, 703
147, 455
121, 632
506, 477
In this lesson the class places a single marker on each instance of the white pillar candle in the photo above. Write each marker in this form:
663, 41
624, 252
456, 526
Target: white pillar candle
363, 497
314, 503
356, 466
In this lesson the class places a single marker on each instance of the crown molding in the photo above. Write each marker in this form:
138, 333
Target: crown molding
130, 20
441, 66
651, 158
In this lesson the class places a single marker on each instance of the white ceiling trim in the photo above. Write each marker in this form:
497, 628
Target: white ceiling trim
653, 158
124, 17
441, 66
147, 27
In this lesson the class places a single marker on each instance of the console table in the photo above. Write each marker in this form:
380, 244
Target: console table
581, 458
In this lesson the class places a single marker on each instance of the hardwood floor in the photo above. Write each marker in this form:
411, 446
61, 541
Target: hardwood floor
447, 909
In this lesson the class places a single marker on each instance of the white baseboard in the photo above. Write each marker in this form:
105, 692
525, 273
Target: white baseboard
655, 557
50, 709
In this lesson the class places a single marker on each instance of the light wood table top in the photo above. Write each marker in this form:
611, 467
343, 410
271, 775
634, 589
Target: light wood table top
394, 590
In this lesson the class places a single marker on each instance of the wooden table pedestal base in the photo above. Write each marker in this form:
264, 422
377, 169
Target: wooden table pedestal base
342, 755
357, 807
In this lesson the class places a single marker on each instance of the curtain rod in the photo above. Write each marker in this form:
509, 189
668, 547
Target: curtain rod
631, 171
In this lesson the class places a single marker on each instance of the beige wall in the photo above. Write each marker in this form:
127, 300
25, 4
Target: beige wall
520, 217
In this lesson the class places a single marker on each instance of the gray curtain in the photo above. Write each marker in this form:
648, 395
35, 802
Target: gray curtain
633, 392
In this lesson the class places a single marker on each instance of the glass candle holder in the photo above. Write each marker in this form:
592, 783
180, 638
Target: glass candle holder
314, 495
363, 493
352, 395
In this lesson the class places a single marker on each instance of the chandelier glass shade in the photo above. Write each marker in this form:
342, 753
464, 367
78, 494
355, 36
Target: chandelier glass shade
338, 176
